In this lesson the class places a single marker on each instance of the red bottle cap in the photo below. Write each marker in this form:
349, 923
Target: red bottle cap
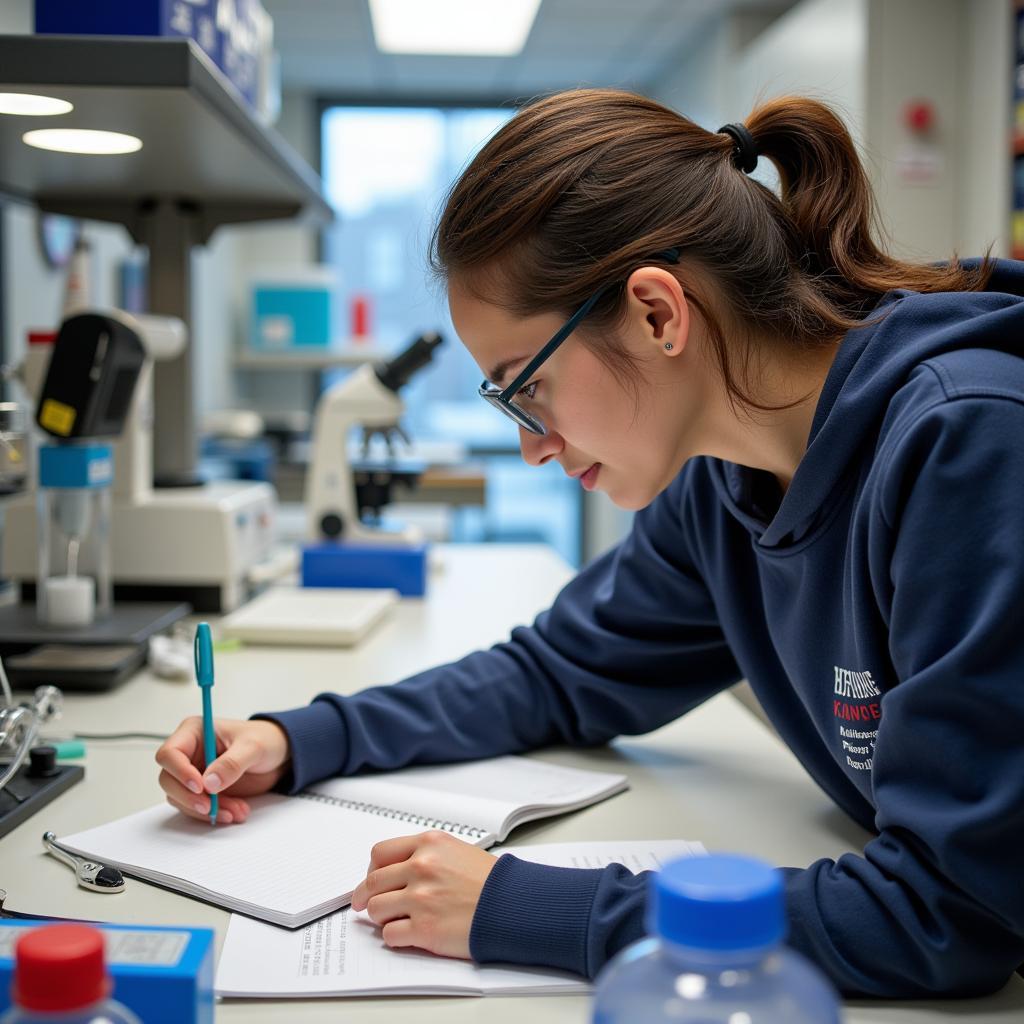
59, 967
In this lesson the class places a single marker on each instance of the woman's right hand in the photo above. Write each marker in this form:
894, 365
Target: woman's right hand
251, 758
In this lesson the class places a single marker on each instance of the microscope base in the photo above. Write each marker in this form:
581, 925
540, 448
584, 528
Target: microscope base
129, 624
34, 794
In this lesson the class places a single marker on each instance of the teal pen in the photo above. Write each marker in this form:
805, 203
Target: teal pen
204, 677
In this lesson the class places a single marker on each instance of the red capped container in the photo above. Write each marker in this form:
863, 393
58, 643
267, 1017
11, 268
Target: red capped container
60, 977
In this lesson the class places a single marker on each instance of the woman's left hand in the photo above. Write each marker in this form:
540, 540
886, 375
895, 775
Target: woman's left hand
423, 891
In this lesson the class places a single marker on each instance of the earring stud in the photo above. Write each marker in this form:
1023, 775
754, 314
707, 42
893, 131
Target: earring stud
668, 346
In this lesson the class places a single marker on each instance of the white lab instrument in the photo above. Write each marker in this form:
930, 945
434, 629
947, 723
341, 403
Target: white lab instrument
367, 398
310, 616
203, 544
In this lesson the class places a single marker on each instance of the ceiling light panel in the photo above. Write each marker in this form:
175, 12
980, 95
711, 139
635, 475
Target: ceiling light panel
487, 28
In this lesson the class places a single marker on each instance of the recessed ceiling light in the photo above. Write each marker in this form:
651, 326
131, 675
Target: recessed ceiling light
82, 140
488, 28
32, 106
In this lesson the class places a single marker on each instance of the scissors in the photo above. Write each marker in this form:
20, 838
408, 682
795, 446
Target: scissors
90, 874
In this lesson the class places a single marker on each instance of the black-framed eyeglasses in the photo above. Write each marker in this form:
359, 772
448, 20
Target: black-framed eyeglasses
503, 399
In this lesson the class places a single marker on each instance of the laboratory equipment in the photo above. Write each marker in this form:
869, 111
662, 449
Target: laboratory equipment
77, 666
88, 387
60, 975
207, 545
14, 460
29, 775
344, 550
89, 874
57, 541
310, 617
73, 584
367, 398
715, 955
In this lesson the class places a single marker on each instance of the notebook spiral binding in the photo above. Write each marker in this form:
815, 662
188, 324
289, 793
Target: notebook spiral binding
454, 827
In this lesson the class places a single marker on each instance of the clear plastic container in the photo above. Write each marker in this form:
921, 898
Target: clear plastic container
60, 978
715, 954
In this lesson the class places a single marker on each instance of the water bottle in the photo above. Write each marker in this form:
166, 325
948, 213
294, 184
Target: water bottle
714, 954
60, 978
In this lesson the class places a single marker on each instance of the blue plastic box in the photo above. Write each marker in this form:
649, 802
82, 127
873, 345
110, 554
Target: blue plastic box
165, 975
192, 19
400, 567
231, 32
293, 310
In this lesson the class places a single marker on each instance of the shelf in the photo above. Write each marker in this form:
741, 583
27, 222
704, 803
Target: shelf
308, 359
205, 161
202, 148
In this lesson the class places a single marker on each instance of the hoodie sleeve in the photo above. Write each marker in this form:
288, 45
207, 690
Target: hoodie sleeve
630, 644
936, 903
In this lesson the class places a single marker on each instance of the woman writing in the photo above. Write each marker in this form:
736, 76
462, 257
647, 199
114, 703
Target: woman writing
823, 443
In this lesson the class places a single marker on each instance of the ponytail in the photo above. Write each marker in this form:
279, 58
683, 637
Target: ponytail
827, 199
581, 188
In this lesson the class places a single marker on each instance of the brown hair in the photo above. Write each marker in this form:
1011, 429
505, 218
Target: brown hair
582, 187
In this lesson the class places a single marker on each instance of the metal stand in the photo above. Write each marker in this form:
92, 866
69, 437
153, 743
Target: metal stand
170, 228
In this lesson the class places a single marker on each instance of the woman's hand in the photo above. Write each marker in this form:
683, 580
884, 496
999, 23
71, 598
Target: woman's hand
423, 891
251, 757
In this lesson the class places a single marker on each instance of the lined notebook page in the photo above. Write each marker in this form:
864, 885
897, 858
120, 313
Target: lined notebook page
290, 857
297, 858
344, 954
483, 794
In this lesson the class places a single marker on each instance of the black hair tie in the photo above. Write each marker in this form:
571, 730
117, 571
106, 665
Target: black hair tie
745, 155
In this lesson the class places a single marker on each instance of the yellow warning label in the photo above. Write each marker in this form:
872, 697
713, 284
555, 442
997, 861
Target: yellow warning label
57, 417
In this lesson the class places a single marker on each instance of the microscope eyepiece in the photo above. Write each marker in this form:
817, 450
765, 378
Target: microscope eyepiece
396, 372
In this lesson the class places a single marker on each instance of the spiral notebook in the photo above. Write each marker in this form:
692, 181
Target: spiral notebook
300, 857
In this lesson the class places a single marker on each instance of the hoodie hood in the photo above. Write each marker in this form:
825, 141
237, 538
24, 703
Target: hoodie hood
872, 364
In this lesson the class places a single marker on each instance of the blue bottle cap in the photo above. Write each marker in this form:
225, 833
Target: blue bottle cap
719, 902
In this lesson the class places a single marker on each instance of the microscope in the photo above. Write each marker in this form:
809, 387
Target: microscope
206, 545
342, 549
60, 539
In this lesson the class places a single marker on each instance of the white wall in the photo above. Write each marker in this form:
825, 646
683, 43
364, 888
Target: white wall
985, 114
16, 16
817, 49
869, 58
916, 50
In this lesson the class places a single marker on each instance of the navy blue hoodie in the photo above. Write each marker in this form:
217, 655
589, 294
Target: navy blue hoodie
877, 609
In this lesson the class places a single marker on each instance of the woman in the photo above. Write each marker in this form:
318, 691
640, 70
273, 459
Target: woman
824, 444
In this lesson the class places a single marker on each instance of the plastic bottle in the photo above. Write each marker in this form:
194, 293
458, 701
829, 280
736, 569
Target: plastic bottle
60, 978
715, 954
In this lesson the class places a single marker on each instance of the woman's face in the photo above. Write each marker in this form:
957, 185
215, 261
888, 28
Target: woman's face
628, 440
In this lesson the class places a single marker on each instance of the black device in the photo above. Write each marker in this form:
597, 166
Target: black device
396, 372
34, 786
94, 366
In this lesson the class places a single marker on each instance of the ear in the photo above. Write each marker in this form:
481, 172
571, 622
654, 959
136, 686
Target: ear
658, 310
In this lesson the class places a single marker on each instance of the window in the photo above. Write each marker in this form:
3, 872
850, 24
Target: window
386, 171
